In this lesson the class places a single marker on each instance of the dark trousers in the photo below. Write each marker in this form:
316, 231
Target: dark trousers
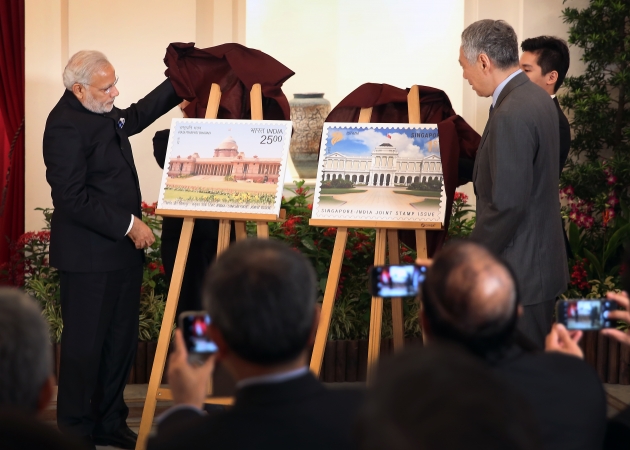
98, 346
200, 255
536, 321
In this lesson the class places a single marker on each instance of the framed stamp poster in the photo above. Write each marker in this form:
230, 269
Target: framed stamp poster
380, 171
225, 165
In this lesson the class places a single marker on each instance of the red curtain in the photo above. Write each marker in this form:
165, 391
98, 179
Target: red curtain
11, 124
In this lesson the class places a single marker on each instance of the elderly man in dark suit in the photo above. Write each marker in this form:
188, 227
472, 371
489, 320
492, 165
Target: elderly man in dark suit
97, 242
470, 298
261, 296
515, 175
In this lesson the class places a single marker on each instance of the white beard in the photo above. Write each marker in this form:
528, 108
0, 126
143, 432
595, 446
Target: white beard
91, 104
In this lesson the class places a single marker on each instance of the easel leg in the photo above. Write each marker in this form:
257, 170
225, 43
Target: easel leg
241, 230
262, 230
165, 333
421, 244
329, 300
223, 242
376, 314
398, 325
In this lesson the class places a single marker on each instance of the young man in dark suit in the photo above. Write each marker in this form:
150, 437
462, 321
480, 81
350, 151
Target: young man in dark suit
545, 60
97, 242
515, 175
470, 298
260, 295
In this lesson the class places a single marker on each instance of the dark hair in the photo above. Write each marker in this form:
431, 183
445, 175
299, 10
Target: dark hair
495, 38
25, 351
440, 397
261, 295
553, 54
451, 299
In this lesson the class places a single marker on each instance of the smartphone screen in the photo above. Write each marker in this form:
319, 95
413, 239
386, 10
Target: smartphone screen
397, 281
194, 326
591, 314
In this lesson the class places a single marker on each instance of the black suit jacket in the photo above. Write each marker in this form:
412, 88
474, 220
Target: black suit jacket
565, 394
93, 180
516, 183
565, 134
296, 414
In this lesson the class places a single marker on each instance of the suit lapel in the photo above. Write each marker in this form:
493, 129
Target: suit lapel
123, 140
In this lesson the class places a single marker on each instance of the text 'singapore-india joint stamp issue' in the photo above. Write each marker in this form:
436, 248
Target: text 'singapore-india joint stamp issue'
380, 171
225, 165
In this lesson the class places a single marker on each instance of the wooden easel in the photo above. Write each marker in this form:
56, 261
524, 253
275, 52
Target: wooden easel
386, 233
154, 392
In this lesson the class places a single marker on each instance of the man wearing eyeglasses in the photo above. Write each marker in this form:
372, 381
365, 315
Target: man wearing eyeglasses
97, 243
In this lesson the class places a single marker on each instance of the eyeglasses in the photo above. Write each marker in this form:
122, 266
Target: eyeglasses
106, 90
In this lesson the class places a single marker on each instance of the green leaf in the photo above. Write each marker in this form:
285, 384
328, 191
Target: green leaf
309, 244
574, 238
621, 235
594, 262
322, 283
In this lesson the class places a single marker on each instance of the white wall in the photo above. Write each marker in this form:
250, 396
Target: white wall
134, 36
334, 46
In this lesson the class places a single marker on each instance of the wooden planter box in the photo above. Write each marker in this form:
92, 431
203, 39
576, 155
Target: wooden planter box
346, 361
608, 357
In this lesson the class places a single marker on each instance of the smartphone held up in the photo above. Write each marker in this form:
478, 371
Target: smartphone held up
397, 280
194, 326
585, 314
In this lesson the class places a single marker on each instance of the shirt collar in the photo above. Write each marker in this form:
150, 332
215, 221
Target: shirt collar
273, 378
497, 91
553, 95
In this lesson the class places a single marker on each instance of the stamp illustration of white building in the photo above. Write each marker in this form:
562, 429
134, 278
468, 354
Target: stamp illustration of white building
384, 167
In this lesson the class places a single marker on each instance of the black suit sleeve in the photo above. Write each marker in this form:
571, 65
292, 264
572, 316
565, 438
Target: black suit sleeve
160, 145
565, 135
67, 174
173, 427
142, 114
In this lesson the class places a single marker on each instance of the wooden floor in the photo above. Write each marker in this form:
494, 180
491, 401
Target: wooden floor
134, 397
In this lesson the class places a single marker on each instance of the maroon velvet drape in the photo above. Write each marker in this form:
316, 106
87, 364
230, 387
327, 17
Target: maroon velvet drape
12, 126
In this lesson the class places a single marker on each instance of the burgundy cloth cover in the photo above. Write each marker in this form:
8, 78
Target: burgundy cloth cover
12, 124
235, 69
457, 138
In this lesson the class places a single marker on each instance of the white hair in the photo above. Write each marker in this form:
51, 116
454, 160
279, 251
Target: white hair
82, 66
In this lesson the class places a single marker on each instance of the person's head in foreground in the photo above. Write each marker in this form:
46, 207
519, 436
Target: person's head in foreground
261, 296
488, 54
92, 79
26, 379
545, 60
469, 297
442, 398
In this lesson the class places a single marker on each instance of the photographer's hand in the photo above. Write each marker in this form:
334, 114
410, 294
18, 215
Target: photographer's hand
564, 341
189, 384
623, 301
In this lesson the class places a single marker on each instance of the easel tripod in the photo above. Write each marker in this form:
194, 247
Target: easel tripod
386, 233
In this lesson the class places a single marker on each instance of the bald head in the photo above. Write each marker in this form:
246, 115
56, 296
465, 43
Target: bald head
469, 295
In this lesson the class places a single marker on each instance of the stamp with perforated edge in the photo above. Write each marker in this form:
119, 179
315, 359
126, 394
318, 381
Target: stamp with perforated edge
380, 171
223, 165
